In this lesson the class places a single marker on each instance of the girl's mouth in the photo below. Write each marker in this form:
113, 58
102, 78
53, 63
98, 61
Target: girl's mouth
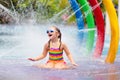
50, 35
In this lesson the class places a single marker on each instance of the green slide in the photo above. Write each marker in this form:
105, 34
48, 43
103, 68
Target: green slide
90, 23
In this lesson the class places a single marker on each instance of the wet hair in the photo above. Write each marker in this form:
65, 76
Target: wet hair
59, 36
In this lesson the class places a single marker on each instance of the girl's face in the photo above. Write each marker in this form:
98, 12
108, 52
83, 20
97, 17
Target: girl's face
52, 33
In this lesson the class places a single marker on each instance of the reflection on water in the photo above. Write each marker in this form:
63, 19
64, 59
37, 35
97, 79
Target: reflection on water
111, 73
17, 43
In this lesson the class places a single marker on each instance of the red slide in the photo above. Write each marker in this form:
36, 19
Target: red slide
100, 27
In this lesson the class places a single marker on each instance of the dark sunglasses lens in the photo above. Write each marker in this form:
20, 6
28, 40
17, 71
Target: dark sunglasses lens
47, 31
51, 31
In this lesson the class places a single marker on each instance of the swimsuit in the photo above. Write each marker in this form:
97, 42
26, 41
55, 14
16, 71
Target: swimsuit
55, 55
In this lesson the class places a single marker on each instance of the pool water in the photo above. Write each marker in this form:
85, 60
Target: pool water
19, 42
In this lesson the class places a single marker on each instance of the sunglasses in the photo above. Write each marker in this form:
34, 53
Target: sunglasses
49, 31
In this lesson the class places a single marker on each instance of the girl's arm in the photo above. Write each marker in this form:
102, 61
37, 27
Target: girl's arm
43, 55
69, 54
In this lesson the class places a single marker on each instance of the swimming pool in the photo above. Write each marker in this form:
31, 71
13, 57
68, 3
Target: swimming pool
19, 42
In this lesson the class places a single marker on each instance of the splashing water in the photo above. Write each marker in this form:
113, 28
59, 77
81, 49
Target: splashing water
19, 42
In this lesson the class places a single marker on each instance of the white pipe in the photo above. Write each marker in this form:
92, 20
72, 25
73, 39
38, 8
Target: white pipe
107, 22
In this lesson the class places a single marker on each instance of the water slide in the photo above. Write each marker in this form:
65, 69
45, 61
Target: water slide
90, 23
100, 28
79, 18
114, 26
78, 14
114, 31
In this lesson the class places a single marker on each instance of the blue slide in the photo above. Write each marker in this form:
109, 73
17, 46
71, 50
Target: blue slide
79, 17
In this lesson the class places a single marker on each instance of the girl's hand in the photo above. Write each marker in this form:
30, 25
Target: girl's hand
31, 59
74, 64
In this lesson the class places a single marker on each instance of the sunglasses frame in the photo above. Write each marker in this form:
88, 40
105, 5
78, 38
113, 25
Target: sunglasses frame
49, 31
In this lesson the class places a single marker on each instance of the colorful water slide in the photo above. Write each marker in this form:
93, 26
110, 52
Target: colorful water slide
79, 18
90, 22
114, 31
100, 27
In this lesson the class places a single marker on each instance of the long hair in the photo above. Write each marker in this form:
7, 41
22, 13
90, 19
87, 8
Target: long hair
59, 36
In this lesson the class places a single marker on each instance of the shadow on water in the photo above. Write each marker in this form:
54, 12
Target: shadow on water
27, 41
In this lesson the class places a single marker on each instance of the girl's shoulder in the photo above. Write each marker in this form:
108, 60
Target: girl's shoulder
63, 44
46, 45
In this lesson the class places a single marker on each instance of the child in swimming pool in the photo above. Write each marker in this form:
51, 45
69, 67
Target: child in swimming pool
55, 47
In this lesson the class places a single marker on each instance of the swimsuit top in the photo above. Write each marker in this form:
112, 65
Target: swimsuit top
55, 54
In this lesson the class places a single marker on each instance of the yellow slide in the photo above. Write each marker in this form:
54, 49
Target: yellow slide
114, 31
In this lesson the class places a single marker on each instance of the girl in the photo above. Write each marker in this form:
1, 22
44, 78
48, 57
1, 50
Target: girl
55, 47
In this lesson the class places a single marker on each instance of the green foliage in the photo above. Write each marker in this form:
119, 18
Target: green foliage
44, 9
5, 3
115, 2
63, 4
